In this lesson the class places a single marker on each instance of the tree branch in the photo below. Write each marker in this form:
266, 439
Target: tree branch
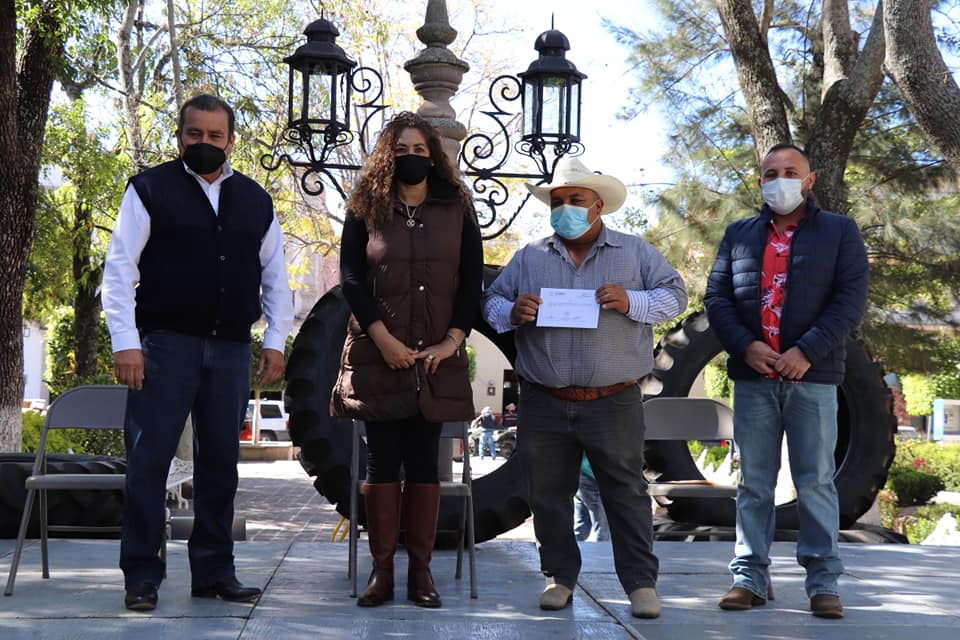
917, 68
758, 79
845, 103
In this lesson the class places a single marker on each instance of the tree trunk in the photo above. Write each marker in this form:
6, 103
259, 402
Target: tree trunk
917, 68
86, 305
26, 79
175, 53
131, 93
758, 79
850, 85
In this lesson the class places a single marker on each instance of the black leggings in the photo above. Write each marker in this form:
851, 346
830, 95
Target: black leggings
413, 442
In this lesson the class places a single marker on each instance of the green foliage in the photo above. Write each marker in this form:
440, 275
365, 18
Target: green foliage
715, 455
75, 217
716, 381
919, 392
887, 501
80, 441
256, 345
472, 362
61, 370
913, 487
939, 459
61, 360
925, 520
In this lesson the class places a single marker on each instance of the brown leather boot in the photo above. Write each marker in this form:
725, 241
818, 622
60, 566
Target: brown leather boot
421, 504
383, 529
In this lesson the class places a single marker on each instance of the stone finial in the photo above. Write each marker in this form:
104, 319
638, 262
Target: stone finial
436, 74
436, 29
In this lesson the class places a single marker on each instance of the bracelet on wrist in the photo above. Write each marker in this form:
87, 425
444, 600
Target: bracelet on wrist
456, 342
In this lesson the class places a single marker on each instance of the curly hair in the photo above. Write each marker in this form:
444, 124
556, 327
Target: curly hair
374, 196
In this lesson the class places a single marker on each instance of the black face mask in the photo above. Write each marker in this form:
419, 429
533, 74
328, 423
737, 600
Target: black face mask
203, 158
412, 169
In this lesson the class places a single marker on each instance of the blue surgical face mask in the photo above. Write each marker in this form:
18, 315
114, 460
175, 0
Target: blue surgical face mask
570, 221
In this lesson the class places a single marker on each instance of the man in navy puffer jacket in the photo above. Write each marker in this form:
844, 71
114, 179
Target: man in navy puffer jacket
787, 288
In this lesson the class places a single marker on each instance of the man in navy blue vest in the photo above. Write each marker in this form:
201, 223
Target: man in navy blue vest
196, 257
786, 290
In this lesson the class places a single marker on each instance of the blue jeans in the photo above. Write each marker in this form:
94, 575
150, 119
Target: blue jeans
211, 378
764, 410
589, 518
487, 443
551, 443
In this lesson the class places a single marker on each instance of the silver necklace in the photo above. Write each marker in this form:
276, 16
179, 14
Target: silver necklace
411, 212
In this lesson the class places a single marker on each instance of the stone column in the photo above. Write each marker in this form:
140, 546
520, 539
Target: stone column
436, 73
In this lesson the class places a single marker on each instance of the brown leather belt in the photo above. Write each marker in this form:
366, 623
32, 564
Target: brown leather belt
583, 394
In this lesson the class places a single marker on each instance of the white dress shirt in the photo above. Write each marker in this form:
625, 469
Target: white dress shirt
121, 272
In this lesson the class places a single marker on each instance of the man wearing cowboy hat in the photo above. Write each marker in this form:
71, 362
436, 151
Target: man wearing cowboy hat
578, 389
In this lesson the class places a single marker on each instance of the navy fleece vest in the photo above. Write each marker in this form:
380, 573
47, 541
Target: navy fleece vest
200, 272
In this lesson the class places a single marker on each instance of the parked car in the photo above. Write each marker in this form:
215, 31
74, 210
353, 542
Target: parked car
906, 432
274, 422
35, 405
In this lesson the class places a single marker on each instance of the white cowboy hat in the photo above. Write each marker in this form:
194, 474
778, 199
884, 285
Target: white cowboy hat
486, 411
570, 172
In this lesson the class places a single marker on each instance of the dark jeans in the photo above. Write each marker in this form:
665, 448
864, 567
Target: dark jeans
552, 440
413, 443
211, 378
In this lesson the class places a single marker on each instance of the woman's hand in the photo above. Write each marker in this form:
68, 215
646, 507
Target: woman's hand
396, 354
433, 355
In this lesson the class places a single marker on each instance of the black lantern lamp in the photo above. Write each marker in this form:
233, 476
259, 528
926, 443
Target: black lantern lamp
551, 94
549, 91
322, 81
319, 99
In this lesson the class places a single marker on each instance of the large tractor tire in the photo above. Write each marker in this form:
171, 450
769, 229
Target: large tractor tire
77, 507
865, 441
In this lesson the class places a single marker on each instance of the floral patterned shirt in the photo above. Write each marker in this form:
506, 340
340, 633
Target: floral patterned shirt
773, 283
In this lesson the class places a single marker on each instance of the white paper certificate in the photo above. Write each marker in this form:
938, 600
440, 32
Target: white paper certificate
570, 308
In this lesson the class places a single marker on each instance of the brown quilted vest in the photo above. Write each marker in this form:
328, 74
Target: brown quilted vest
413, 274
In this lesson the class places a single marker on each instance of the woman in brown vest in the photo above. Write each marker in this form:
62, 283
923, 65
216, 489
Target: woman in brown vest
411, 266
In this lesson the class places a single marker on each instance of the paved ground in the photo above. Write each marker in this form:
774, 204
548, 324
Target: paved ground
890, 591
279, 502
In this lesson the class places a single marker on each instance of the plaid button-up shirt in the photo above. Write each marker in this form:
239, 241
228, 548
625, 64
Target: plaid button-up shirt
621, 348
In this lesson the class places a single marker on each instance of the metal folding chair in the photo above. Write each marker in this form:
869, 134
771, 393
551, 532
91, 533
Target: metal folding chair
84, 407
462, 489
688, 419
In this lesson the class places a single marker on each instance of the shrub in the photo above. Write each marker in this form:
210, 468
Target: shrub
715, 380
925, 520
715, 455
941, 460
914, 487
919, 392
61, 359
887, 501
62, 440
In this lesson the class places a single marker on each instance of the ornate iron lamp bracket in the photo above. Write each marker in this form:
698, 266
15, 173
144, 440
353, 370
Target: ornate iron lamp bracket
300, 152
485, 155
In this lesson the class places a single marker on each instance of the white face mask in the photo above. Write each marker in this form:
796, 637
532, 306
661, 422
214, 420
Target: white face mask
783, 195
